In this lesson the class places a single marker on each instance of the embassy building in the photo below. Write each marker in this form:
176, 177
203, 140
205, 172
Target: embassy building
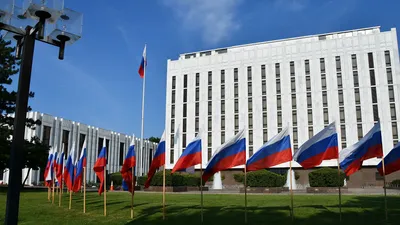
350, 77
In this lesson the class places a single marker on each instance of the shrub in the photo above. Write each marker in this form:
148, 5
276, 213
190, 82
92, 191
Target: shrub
239, 177
116, 178
261, 178
176, 179
395, 183
141, 180
326, 177
296, 175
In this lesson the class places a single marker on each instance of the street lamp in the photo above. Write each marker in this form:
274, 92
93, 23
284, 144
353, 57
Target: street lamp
18, 24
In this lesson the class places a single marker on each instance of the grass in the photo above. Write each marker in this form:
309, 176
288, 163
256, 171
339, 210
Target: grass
184, 209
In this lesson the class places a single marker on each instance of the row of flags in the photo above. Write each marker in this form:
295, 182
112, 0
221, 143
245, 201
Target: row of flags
322, 146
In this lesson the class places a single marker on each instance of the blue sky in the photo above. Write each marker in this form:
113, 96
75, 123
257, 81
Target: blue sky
98, 84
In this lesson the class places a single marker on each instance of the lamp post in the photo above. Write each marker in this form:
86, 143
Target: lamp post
42, 12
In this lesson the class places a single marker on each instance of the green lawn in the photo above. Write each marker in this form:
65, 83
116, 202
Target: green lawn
184, 209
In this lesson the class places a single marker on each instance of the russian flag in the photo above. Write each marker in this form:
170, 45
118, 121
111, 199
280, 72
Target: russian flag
79, 169
392, 161
322, 146
369, 146
100, 165
60, 165
55, 161
274, 152
190, 157
143, 63
47, 170
232, 153
158, 160
129, 163
70, 170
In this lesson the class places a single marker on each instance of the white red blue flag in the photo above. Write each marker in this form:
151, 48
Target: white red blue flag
143, 64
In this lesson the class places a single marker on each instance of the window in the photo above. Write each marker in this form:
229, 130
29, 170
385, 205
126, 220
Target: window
372, 77
65, 141
278, 102
292, 68
278, 86
222, 76
265, 135
310, 116
324, 99
341, 100
355, 78
264, 103
249, 89
197, 95
387, 58
279, 119
209, 92
172, 126
357, 95
263, 76
209, 77
197, 79
343, 132
184, 95
221, 51
307, 66
183, 142
354, 61
250, 121
277, 70
373, 94
236, 90
250, 105
209, 108
196, 124
308, 83
184, 125
222, 122
264, 87
358, 113
309, 102
223, 107
323, 81
121, 153
391, 94
310, 132
209, 123
344, 145
338, 67
236, 121
249, 73
389, 75
394, 130
209, 139
375, 112
185, 81
235, 75
236, 105
171, 156
322, 64
339, 80
294, 118
359, 131
341, 112
370, 60
293, 84
222, 137
185, 110
222, 91
326, 116
295, 137
173, 97
46, 135
197, 109
250, 137
393, 111
265, 121
250, 150
173, 82
294, 105
172, 141
209, 153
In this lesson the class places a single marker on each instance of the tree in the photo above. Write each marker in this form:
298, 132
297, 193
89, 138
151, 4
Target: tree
154, 139
35, 152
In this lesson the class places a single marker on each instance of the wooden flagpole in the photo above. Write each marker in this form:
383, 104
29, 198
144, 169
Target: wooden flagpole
245, 194
201, 190
163, 193
84, 189
61, 192
291, 190
133, 189
54, 185
340, 192
105, 191
384, 186
70, 199
48, 193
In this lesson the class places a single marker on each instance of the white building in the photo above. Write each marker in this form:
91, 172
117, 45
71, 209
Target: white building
351, 77
60, 132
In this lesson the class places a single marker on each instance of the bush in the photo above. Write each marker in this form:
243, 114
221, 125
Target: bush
326, 177
176, 179
141, 180
116, 178
395, 183
261, 178
296, 175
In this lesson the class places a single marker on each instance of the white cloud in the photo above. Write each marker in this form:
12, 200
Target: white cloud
216, 20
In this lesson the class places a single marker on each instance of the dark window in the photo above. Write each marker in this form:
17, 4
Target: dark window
82, 138
294, 104
197, 79
209, 77
295, 136
236, 90
375, 112
309, 102
338, 67
357, 95
171, 156
322, 64
373, 94
310, 132
249, 73
358, 113
65, 141
372, 77
121, 153
323, 81
172, 111
355, 78
277, 70
222, 91
185, 81
209, 108
294, 118
393, 111
250, 121
249, 89
173, 97
324, 98
196, 124
172, 126
184, 125
209, 92
222, 76
236, 105
197, 94
46, 135
265, 121
292, 71
263, 75
308, 83
394, 130
341, 100
222, 122
264, 87
185, 110
389, 75
209, 123
235, 74
183, 141
223, 107
184, 95
339, 80
387, 58
280, 119
342, 117
222, 137
250, 150
343, 132
359, 131
307, 66
370, 60
310, 116
172, 141
197, 109
250, 105
173, 82
265, 135
278, 86
278, 102
209, 153
354, 61
326, 116
391, 93
209, 139
250, 137
236, 121
293, 84
264, 103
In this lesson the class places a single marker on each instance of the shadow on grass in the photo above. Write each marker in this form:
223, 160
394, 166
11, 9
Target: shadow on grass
365, 210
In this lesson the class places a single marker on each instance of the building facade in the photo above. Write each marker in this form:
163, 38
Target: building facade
66, 134
350, 77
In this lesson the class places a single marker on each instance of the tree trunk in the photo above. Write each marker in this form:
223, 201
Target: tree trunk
26, 178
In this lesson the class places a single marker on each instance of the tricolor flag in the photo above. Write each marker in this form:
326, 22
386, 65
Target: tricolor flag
54, 164
79, 169
190, 157
369, 146
274, 152
60, 166
69, 170
322, 146
100, 165
47, 170
158, 160
232, 153
143, 64
392, 161
129, 163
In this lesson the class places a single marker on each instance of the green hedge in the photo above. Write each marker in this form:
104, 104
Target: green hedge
395, 183
261, 178
116, 178
176, 179
326, 177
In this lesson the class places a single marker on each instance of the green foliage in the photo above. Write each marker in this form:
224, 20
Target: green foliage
261, 178
296, 175
176, 179
116, 178
395, 183
326, 177
154, 139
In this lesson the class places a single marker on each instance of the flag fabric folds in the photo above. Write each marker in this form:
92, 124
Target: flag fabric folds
129, 163
60, 165
158, 160
274, 152
392, 161
47, 171
69, 169
190, 157
100, 165
322, 146
232, 153
369, 146
143, 63
79, 169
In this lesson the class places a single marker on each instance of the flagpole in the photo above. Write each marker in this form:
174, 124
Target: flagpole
105, 191
142, 127
245, 194
48, 193
384, 186
164, 193
133, 189
201, 188
340, 192
61, 192
84, 189
291, 190
70, 199
54, 183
